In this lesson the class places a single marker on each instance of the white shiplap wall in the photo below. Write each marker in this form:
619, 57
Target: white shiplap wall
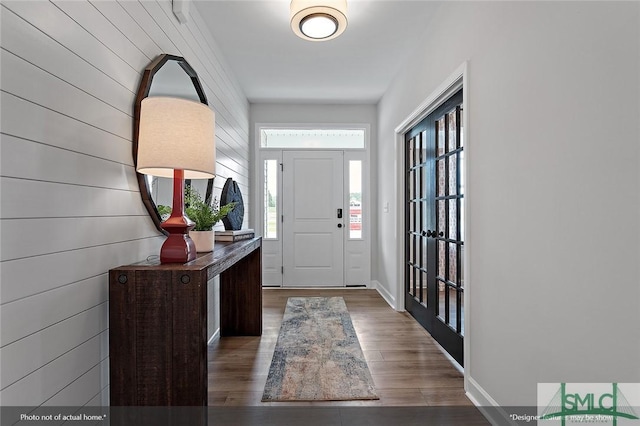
70, 206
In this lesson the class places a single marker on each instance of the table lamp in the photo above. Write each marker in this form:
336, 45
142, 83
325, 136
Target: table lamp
176, 139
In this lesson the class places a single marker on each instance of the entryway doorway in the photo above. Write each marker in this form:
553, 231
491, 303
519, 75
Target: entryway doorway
313, 203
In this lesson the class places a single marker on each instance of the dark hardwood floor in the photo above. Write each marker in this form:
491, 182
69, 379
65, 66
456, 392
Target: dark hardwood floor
407, 367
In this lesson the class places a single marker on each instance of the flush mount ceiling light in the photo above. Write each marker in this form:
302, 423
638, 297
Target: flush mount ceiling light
318, 20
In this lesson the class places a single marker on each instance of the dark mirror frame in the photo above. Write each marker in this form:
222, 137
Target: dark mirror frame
143, 92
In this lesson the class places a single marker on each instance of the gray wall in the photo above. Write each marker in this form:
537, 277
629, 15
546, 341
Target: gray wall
554, 187
71, 207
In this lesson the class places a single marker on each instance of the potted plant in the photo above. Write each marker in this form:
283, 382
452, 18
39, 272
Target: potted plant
205, 216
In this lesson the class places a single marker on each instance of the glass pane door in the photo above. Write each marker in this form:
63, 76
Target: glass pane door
449, 203
434, 216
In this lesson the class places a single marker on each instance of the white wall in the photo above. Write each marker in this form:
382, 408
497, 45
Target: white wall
554, 187
71, 208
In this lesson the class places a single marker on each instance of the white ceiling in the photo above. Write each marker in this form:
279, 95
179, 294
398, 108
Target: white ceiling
274, 65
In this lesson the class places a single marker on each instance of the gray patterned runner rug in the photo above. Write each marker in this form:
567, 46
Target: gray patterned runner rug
317, 355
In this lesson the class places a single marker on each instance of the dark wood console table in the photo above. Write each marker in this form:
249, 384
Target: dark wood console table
158, 322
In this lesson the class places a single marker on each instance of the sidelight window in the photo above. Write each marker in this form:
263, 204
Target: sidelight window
355, 199
270, 202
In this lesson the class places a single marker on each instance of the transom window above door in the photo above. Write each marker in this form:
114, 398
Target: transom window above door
283, 138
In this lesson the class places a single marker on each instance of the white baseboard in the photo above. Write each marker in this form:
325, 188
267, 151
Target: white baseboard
481, 399
214, 336
384, 293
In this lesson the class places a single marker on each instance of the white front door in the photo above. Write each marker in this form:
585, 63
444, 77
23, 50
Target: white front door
313, 234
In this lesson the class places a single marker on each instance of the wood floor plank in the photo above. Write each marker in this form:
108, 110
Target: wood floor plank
447, 396
393, 367
240, 399
402, 397
372, 355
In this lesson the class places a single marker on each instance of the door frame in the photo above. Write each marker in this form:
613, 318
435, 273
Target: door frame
457, 80
357, 252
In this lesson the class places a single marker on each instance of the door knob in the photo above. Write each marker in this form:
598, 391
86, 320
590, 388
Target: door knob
441, 234
339, 225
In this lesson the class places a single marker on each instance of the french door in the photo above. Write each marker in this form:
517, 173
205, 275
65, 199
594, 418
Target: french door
434, 225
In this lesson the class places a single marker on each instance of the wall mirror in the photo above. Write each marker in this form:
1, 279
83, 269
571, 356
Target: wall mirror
167, 75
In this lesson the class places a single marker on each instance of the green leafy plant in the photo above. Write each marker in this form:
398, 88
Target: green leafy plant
203, 214
164, 211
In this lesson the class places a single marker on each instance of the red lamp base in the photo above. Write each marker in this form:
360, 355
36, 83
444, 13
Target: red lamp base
178, 247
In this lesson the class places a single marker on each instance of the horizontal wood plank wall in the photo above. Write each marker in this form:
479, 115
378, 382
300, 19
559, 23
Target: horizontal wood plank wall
71, 208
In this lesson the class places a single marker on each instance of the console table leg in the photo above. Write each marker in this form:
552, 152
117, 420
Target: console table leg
241, 297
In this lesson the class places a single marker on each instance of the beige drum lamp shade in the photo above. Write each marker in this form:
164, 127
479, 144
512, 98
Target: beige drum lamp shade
176, 134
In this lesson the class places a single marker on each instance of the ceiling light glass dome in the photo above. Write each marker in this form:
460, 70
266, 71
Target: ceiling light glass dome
318, 20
